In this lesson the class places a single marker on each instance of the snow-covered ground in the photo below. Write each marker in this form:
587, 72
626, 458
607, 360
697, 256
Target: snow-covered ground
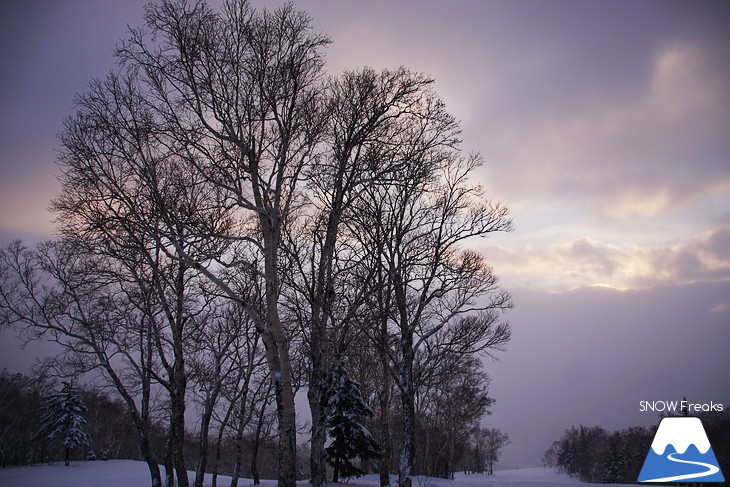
128, 473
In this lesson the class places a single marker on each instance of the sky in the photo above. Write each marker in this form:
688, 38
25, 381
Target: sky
603, 125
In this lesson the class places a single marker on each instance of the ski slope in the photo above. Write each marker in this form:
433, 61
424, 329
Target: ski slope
128, 473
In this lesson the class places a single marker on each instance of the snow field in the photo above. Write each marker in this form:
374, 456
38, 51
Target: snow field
129, 473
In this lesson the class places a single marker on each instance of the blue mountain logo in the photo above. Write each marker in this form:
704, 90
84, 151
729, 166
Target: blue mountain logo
680, 452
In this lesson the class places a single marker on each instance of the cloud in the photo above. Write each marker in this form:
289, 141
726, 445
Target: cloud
647, 154
585, 262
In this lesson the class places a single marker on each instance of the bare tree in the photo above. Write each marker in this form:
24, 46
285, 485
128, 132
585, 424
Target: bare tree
238, 93
127, 196
452, 397
218, 166
241, 391
223, 354
363, 109
485, 447
57, 292
419, 223
263, 425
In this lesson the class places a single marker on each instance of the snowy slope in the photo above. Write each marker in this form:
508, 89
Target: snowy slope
114, 473
128, 473
527, 477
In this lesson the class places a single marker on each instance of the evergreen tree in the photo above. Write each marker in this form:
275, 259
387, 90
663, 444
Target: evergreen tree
63, 418
614, 465
350, 439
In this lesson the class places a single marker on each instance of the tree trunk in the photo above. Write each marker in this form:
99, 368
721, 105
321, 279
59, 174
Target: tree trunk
204, 428
318, 456
336, 473
218, 442
241, 425
237, 464
154, 469
407, 454
178, 437
384, 462
149, 457
142, 419
287, 429
257, 442
278, 357
255, 462
179, 380
174, 446
450, 459
168, 461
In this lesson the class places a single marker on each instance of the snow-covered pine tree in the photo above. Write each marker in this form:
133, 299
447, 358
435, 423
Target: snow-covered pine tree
62, 417
350, 439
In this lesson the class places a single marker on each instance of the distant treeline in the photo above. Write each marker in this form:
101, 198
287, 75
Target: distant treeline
594, 454
111, 432
449, 440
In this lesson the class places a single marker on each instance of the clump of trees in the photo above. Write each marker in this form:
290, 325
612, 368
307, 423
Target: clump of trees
485, 450
594, 454
29, 417
109, 430
233, 223
451, 406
